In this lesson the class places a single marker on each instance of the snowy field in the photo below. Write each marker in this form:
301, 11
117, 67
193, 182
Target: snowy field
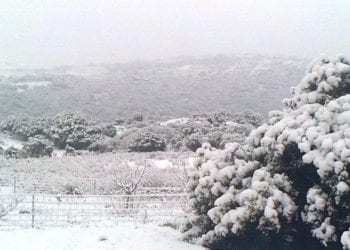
126, 236
100, 217
52, 175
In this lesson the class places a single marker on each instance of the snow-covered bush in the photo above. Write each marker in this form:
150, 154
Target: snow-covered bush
248, 117
102, 146
73, 129
216, 128
78, 131
23, 127
38, 146
13, 152
68, 150
138, 117
287, 186
193, 141
147, 141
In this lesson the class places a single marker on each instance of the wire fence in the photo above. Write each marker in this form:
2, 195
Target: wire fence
38, 202
43, 210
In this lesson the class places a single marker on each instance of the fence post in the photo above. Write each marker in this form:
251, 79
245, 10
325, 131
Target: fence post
145, 218
14, 184
33, 211
94, 186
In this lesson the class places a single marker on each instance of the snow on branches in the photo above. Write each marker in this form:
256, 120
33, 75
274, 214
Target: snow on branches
291, 174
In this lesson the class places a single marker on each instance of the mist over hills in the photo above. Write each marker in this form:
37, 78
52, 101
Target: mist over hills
158, 89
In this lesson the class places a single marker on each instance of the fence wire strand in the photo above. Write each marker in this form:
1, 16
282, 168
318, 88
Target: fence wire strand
39, 206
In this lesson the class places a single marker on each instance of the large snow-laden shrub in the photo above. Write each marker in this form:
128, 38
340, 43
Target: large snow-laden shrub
183, 134
78, 131
73, 129
216, 128
38, 146
24, 127
288, 186
147, 141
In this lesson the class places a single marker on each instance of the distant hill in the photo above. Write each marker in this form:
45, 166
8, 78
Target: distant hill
158, 89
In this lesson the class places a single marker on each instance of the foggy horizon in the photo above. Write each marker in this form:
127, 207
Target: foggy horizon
48, 34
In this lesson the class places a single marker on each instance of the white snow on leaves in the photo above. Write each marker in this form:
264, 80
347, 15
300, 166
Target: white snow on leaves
243, 189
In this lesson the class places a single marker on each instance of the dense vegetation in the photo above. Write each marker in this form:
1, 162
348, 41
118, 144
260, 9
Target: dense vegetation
159, 90
74, 131
189, 133
70, 131
287, 186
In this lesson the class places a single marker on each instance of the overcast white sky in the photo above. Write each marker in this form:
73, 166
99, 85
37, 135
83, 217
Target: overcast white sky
54, 32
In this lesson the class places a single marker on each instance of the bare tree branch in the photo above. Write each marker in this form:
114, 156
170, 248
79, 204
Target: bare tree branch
183, 177
129, 179
4, 210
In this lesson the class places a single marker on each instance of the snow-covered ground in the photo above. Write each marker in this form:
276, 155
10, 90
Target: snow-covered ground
7, 141
32, 85
54, 173
128, 236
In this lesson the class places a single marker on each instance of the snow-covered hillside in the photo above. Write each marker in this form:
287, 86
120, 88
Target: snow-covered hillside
158, 89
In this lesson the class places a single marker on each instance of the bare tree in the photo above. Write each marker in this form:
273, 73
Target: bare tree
5, 209
183, 176
128, 179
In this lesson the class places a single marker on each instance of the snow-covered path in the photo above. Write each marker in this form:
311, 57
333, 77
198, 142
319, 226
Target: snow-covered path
121, 237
